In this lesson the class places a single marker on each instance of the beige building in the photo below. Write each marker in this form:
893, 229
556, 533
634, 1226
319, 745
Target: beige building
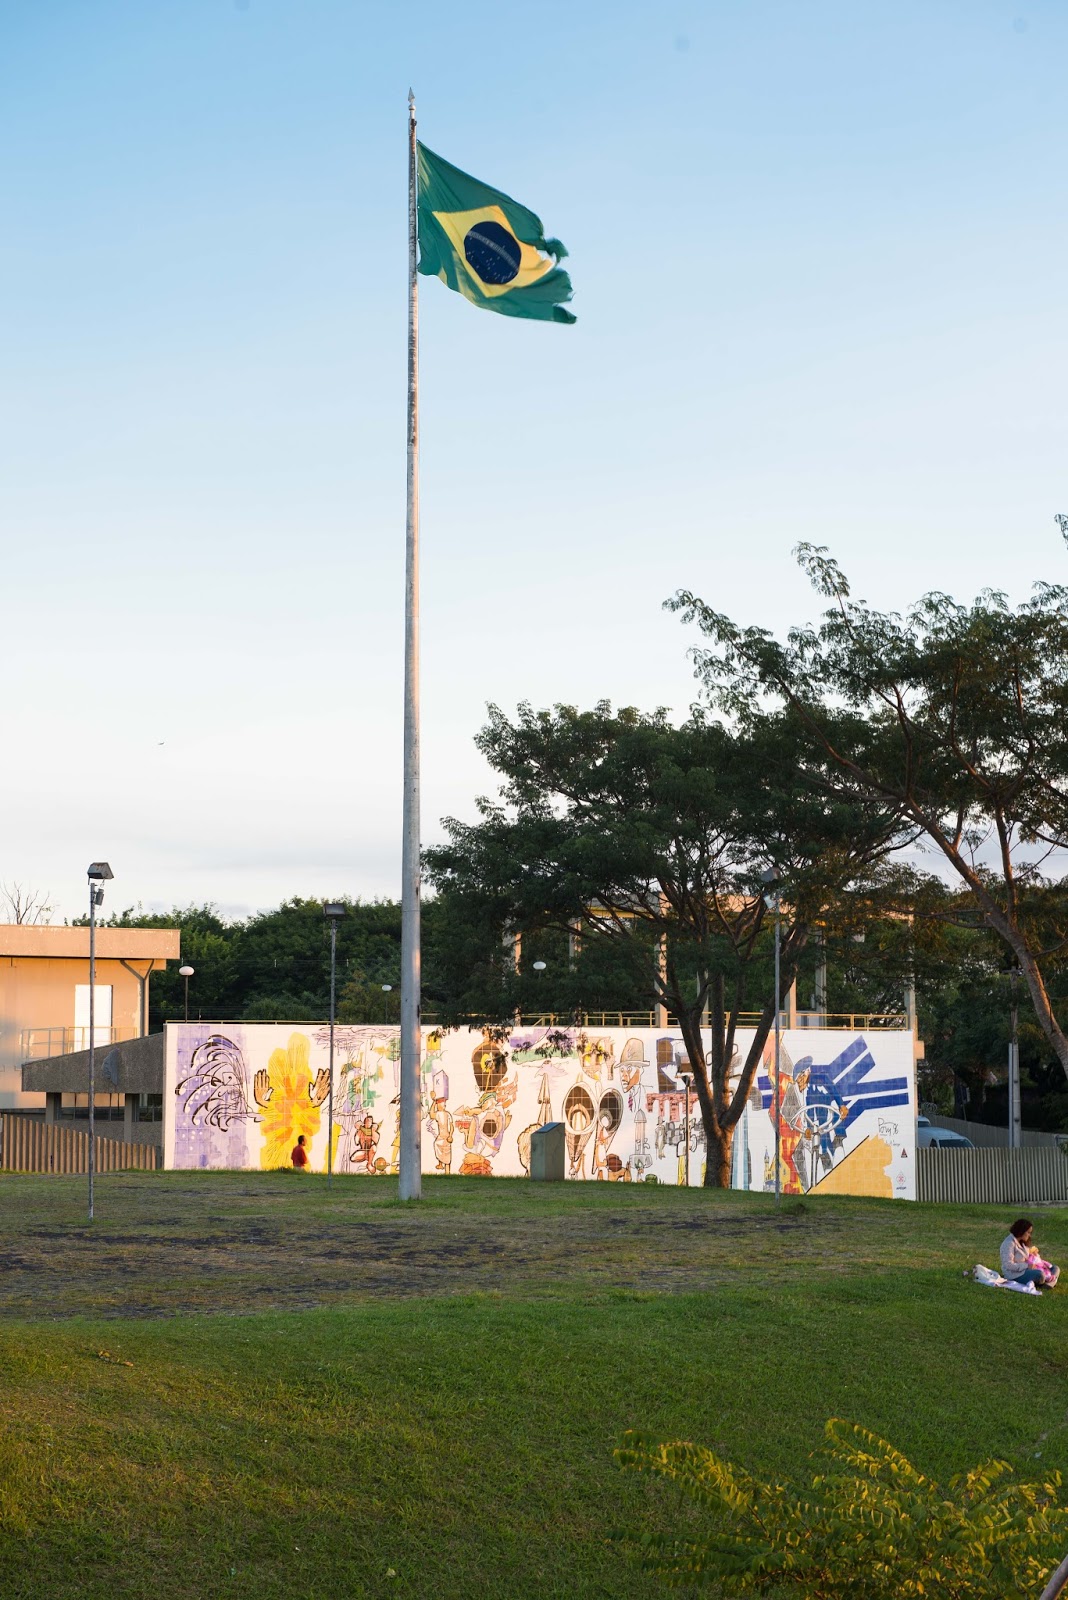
44, 994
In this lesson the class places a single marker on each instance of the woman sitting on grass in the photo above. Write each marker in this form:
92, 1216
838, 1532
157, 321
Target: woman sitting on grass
1021, 1262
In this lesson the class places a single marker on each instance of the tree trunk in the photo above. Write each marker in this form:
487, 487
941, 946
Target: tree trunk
718, 1143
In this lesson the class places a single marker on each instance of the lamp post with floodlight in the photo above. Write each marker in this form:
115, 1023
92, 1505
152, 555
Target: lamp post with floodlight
99, 872
333, 911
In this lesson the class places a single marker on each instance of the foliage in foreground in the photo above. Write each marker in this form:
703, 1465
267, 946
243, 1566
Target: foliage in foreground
870, 1527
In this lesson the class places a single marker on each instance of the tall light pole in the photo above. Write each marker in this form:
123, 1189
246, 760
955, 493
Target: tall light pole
773, 900
1015, 1119
186, 973
687, 1079
98, 872
333, 911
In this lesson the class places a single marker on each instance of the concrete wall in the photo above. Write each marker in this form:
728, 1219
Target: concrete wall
132, 1067
40, 969
240, 1094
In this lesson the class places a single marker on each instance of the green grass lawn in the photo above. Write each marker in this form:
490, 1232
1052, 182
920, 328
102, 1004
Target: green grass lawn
255, 1385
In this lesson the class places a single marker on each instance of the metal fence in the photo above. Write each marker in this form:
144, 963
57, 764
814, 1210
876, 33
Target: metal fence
992, 1177
988, 1136
30, 1146
41, 1044
849, 1021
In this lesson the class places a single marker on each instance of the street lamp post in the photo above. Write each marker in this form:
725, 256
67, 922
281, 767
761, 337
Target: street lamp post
687, 1079
773, 900
1015, 1119
99, 872
186, 973
333, 911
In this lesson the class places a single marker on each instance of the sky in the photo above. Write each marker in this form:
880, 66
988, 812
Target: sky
819, 254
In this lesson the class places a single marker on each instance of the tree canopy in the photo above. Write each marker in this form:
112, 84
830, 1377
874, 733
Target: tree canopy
622, 831
953, 714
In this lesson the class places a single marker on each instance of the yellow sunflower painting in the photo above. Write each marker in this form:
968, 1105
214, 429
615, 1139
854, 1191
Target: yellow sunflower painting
289, 1098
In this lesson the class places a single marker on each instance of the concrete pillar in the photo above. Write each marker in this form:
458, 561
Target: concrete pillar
791, 1005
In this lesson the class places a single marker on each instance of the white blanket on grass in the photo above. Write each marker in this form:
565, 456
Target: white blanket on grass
994, 1280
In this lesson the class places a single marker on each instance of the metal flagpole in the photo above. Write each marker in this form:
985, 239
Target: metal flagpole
410, 1040
93, 891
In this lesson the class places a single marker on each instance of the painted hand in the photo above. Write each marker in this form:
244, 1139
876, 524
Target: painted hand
318, 1091
261, 1087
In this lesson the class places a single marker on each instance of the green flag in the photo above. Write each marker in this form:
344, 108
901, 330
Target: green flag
488, 248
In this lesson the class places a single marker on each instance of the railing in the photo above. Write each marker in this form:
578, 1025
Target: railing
40, 1044
846, 1021
992, 1177
27, 1146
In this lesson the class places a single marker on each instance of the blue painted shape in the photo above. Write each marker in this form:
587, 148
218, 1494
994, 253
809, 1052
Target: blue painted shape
846, 1079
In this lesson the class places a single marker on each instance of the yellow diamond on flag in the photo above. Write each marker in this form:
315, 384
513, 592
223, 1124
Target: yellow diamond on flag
487, 247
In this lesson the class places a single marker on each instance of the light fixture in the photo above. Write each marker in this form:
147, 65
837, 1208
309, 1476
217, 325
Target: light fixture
539, 966
97, 872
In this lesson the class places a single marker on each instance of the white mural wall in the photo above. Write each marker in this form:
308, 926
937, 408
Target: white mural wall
240, 1095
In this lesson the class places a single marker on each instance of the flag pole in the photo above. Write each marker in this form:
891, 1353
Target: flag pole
410, 1035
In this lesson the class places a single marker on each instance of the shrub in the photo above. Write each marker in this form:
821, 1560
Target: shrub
871, 1527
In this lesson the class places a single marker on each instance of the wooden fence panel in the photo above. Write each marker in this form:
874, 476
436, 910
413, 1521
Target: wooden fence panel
992, 1177
30, 1146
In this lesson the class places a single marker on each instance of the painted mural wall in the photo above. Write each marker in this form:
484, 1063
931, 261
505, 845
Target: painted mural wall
239, 1095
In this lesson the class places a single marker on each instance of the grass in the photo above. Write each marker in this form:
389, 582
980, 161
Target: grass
254, 1385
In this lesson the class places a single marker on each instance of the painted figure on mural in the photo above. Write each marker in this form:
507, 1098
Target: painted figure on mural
632, 1064
484, 1126
609, 1117
442, 1126
598, 1058
289, 1096
825, 1114
215, 1091
544, 1116
578, 1127
367, 1136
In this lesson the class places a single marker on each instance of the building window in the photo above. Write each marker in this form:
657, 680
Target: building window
150, 1108
106, 1107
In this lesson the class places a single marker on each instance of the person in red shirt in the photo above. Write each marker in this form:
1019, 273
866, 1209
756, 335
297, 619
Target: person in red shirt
299, 1156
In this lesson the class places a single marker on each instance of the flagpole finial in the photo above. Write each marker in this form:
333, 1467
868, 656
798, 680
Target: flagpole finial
411, 102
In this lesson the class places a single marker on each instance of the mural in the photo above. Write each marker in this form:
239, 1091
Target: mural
239, 1095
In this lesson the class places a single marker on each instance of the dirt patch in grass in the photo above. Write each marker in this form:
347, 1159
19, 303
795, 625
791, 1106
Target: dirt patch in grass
246, 1241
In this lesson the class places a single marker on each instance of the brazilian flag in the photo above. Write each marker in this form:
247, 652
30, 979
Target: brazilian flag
488, 248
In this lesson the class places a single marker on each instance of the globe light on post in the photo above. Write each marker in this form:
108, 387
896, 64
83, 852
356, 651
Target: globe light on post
186, 973
98, 873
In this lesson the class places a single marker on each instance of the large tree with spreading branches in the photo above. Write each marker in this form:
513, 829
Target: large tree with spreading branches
651, 839
955, 716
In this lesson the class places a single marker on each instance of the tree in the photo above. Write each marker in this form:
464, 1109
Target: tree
651, 839
25, 906
868, 1526
956, 715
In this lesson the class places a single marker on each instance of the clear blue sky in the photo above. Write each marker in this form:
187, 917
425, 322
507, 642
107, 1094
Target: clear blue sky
819, 253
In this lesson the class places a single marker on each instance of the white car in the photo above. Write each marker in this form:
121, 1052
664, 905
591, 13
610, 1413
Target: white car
929, 1137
